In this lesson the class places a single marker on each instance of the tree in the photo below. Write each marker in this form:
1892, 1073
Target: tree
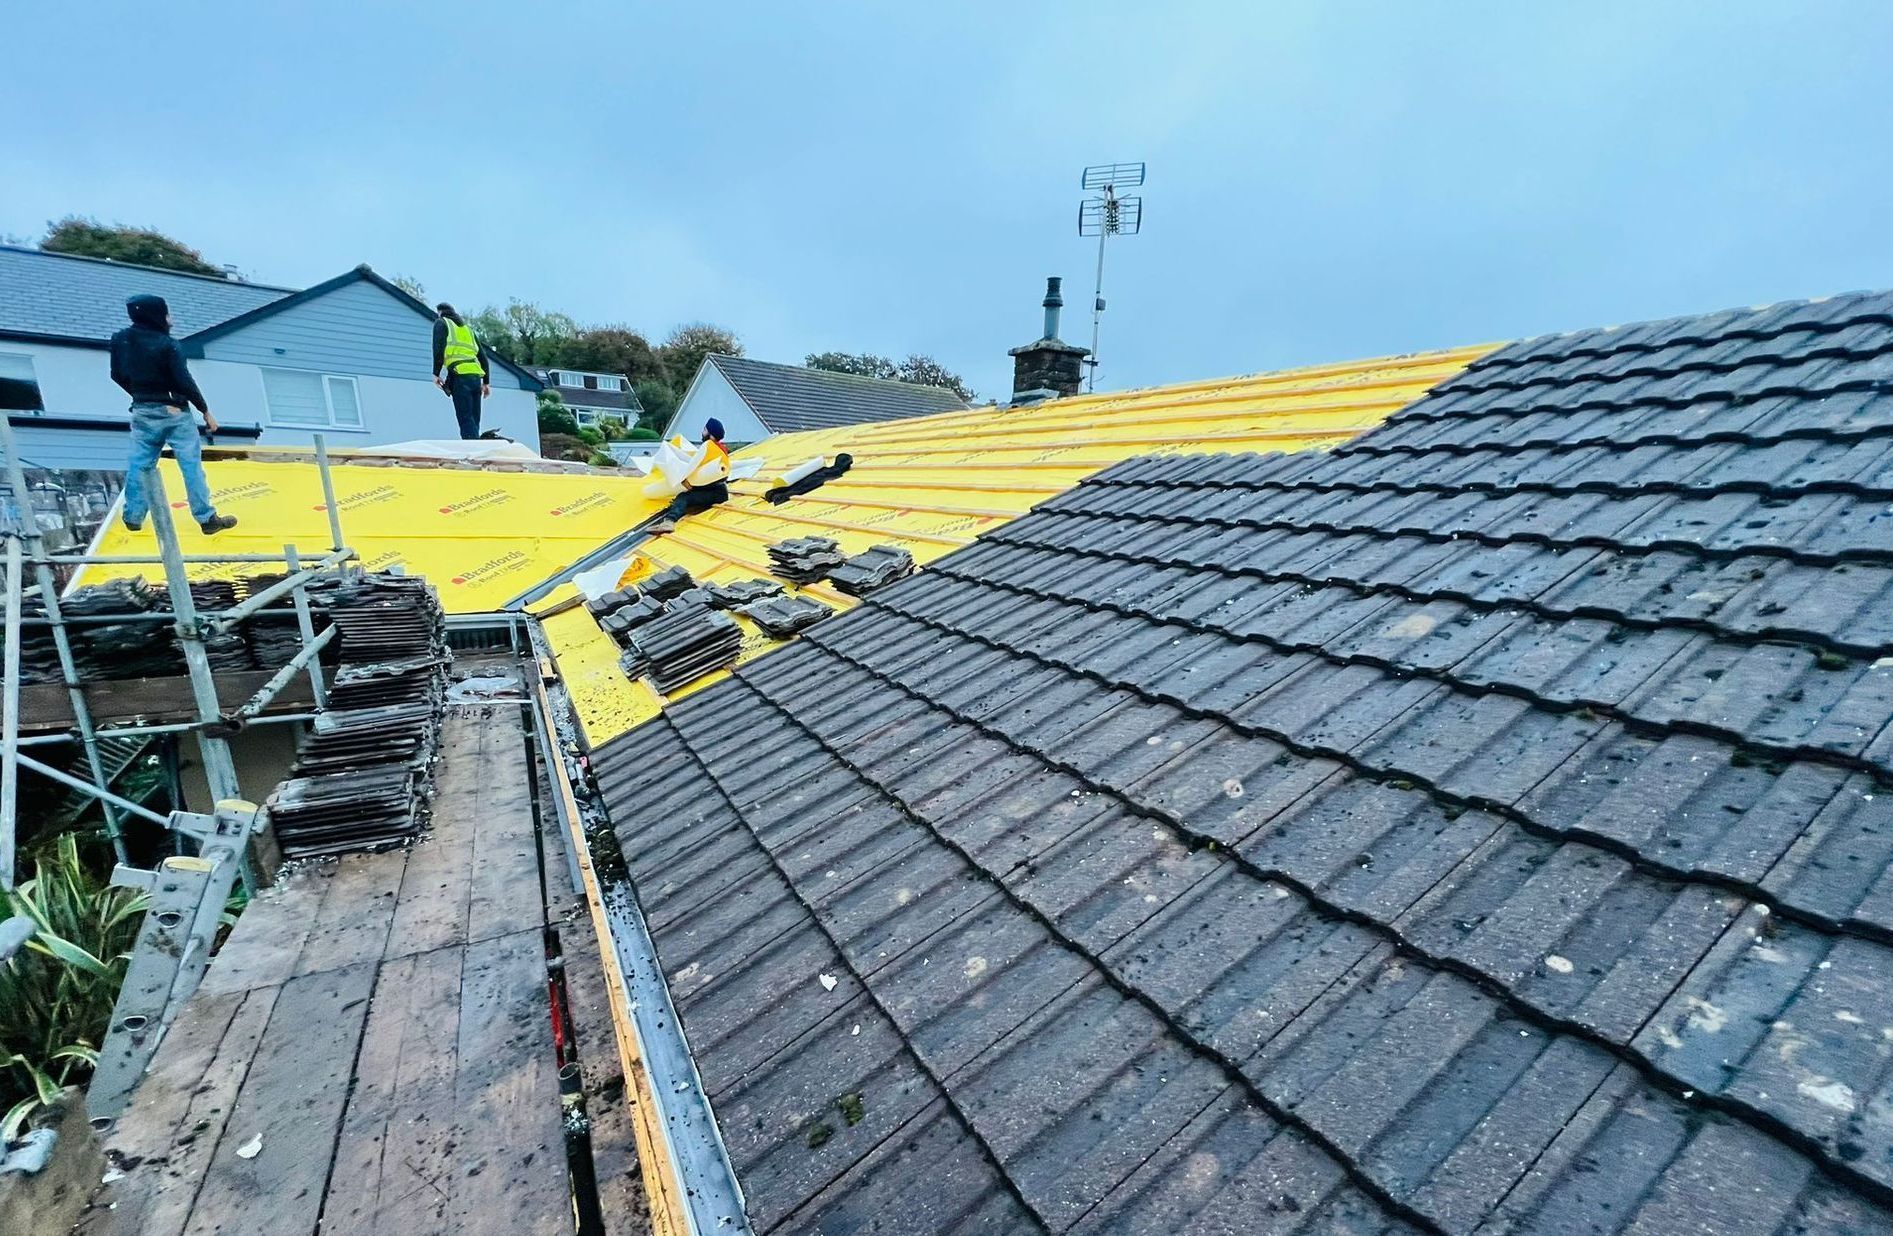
917, 369
611, 349
120, 243
926, 371
659, 401
864, 364
410, 285
684, 348
554, 416
523, 333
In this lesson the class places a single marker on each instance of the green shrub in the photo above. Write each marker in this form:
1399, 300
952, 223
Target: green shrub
640, 434
554, 416
56, 995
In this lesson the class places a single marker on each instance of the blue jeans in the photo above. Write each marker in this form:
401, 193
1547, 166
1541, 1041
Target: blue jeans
153, 425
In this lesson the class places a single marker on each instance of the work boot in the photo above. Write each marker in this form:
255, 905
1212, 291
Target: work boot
660, 527
217, 523
132, 527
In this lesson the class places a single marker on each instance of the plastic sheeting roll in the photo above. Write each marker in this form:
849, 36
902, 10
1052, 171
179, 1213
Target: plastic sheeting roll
801, 470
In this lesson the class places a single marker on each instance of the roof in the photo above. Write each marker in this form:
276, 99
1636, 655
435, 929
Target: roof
360, 274
931, 485
1482, 826
70, 299
80, 299
790, 398
478, 531
586, 397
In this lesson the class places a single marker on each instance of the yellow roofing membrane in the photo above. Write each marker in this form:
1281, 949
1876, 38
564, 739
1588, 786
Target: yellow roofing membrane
932, 484
480, 535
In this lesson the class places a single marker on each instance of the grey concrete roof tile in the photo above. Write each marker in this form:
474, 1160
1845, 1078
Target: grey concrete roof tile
1391, 826
84, 298
791, 398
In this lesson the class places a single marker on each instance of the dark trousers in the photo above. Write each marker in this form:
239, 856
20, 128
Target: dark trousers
701, 498
465, 388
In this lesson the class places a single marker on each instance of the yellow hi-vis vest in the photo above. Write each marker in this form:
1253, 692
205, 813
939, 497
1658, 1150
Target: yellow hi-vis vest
461, 352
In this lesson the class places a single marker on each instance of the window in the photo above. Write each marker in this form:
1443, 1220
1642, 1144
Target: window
584, 416
19, 386
301, 399
610, 382
591, 382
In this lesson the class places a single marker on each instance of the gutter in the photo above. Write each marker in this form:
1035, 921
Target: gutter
39, 420
688, 1178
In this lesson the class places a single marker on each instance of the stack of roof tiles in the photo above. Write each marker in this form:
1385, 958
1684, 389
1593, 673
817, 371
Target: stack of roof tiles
805, 559
132, 649
783, 617
39, 655
142, 648
872, 568
1481, 828
362, 771
686, 643
668, 583
225, 650
738, 593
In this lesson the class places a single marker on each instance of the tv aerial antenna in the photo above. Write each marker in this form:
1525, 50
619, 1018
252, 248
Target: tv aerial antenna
1105, 214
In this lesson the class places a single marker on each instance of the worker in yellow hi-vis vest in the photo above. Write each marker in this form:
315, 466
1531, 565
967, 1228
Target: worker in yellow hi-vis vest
461, 365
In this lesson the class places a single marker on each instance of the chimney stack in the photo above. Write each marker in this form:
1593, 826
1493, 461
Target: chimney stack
1049, 367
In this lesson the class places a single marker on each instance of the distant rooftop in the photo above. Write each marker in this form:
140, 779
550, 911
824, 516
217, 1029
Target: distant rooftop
789, 398
69, 297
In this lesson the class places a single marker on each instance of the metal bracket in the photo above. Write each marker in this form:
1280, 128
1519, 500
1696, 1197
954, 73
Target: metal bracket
124, 876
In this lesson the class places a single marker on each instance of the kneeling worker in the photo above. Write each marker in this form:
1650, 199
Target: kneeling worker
707, 484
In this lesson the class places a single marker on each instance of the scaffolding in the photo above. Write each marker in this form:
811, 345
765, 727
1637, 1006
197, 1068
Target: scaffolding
187, 891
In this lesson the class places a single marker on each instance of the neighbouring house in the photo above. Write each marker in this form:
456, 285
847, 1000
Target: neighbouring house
593, 397
347, 358
755, 399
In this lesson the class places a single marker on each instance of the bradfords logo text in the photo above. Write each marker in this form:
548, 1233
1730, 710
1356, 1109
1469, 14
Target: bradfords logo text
493, 566
479, 501
254, 489
589, 502
383, 560
361, 498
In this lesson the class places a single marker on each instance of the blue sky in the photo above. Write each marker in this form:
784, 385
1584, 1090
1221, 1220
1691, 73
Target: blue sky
1328, 179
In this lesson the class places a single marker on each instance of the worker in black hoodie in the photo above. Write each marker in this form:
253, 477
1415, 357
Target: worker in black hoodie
147, 362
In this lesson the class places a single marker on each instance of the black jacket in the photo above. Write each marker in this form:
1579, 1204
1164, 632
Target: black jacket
148, 363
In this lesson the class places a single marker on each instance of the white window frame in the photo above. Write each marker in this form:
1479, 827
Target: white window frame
32, 375
610, 382
329, 381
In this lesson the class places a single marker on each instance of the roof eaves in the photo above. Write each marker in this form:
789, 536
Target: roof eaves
70, 341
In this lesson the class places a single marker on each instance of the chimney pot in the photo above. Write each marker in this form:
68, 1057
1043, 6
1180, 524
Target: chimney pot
1049, 367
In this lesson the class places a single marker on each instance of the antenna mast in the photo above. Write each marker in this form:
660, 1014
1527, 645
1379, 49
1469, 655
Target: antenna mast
1106, 215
